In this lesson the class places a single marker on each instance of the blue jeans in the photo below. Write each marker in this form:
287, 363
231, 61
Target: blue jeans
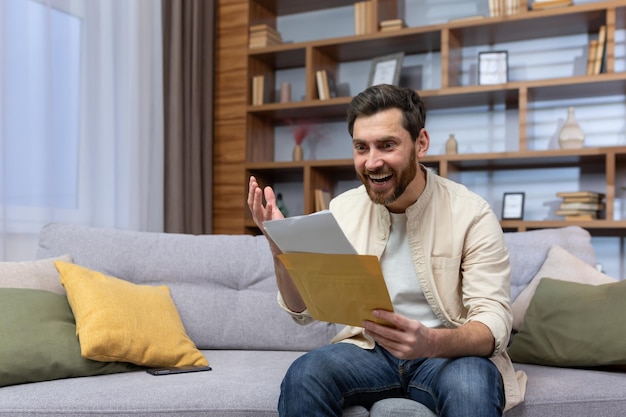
326, 380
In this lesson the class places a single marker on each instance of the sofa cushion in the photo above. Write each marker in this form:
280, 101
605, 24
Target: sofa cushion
560, 264
567, 392
528, 250
40, 274
241, 384
573, 325
39, 341
118, 321
223, 302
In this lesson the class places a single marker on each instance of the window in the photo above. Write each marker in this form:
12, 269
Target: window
39, 112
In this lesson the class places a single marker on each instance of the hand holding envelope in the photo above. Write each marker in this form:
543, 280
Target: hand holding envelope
337, 284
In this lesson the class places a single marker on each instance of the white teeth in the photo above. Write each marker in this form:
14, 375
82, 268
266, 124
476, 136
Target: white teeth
378, 177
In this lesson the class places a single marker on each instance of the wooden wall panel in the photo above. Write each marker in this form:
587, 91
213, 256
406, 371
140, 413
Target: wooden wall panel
229, 132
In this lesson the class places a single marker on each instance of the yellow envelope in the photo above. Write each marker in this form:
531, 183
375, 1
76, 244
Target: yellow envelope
339, 288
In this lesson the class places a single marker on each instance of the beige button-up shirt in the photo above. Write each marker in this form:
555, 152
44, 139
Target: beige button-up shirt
460, 257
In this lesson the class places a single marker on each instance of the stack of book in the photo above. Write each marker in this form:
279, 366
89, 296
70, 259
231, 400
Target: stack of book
392, 24
363, 15
263, 35
548, 4
580, 205
507, 7
595, 57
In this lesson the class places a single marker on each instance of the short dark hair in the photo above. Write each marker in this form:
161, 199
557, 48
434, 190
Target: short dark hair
384, 96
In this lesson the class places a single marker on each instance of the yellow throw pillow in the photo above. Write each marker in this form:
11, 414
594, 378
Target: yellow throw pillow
117, 320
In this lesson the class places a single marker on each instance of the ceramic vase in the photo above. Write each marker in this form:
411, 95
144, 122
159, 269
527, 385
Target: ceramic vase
571, 135
451, 145
297, 153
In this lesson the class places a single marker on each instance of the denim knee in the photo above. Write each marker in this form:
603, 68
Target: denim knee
468, 386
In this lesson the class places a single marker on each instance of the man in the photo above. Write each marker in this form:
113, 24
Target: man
445, 264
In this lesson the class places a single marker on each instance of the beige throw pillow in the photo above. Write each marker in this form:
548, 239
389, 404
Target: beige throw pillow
560, 265
37, 275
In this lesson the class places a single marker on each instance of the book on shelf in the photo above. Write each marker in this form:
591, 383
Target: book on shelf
263, 35
322, 199
391, 24
323, 90
583, 199
512, 7
577, 215
495, 8
548, 4
599, 52
588, 194
363, 17
506, 7
591, 56
597, 206
325, 84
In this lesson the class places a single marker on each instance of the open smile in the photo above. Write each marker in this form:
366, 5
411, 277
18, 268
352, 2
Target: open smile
380, 178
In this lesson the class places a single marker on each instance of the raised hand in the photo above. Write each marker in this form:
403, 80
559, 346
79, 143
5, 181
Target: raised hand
260, 212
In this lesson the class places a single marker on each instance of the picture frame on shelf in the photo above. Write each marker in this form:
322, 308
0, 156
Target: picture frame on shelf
513, 206
493, 67
386, 69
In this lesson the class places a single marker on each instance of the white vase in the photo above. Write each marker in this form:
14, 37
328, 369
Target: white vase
452, 146
571, 135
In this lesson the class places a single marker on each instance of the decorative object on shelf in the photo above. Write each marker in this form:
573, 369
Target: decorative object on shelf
513, 206
571, 135
493, 67
285, 92
300, 132
386, 69
452, 147
298, 153
280, 204
258, 90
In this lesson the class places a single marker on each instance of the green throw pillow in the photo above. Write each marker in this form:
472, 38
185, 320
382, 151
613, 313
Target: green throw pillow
39, 341
570, 324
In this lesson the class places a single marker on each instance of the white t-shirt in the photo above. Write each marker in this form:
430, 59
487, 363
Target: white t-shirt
400, 276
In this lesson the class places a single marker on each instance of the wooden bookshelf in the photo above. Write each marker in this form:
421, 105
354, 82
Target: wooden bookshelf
241, 152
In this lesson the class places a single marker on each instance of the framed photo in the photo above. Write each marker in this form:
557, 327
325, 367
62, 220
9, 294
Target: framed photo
493, 67
386, 69
513, 206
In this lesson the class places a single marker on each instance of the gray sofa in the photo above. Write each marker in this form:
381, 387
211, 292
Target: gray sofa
224, 289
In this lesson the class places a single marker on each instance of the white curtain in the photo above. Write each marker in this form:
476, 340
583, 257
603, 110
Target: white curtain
81, 120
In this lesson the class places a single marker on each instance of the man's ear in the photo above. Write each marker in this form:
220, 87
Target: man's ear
422, 143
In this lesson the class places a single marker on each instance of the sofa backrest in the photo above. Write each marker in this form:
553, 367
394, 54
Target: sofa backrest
528, 250
223, 285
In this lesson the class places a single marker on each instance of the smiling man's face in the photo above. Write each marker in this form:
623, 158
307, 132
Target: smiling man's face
386, 159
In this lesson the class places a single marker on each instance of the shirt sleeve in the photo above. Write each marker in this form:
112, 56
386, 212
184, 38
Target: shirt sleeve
301, 318
486, 279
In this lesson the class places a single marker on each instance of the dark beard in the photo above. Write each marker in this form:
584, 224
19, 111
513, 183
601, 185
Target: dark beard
403, 181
